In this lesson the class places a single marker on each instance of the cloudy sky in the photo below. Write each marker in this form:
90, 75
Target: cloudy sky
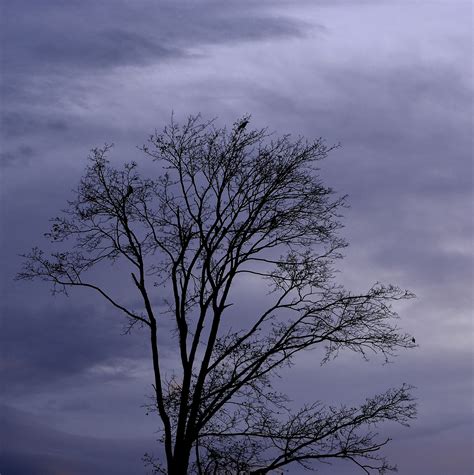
390, 80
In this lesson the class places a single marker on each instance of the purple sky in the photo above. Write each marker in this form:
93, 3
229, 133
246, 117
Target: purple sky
391, 81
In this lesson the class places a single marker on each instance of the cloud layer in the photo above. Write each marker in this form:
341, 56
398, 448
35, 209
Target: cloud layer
391, 82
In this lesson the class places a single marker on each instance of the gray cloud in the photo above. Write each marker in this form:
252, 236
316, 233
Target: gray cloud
405, 159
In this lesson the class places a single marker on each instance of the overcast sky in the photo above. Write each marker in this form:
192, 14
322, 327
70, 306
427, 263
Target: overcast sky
390, 80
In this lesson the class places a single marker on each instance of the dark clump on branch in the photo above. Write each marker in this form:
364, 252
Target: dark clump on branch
225, 205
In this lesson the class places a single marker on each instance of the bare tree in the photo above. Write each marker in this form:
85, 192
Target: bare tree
228, 204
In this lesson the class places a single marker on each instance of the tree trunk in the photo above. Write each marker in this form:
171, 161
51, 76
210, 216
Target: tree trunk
180, 462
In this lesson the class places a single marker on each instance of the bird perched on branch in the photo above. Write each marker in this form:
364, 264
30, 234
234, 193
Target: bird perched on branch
242, 125
129, 191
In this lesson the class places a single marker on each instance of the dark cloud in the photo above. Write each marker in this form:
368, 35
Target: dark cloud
30, 446
19, 156
18, 124
87, 36
79, 51
52, 344
53, 51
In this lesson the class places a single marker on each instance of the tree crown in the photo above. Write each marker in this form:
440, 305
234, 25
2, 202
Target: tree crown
229, 203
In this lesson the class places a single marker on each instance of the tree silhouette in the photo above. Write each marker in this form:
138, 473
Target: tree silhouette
228, 205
